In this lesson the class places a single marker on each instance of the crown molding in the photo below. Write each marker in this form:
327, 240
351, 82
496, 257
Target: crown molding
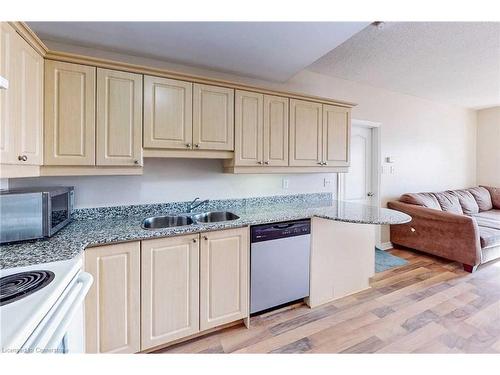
36, 43
29, 36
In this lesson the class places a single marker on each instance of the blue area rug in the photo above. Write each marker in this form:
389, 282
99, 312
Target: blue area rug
385, 261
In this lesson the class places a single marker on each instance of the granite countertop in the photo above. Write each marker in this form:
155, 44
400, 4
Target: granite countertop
83, 232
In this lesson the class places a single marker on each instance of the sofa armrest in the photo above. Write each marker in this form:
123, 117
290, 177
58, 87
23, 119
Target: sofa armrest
495, 195
444, 234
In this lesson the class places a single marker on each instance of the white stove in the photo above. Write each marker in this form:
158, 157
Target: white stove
41, 307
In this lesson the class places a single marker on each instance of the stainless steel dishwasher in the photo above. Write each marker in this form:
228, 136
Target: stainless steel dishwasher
279, 258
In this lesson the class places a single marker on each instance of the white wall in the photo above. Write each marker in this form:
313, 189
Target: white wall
433, 144
488, 146
166, 180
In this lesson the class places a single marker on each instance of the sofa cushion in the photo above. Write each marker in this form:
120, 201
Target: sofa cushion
495, 195
467, 201
489, 237
489, 219
482, 197
421, 199
449, 202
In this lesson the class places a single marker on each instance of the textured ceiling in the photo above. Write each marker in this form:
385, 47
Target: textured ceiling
456, 63
268, 50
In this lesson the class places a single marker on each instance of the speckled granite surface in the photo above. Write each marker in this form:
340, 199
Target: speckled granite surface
88, 230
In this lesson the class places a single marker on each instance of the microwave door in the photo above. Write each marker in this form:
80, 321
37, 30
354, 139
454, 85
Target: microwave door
59, 212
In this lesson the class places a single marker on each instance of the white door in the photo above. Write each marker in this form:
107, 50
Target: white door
358, 181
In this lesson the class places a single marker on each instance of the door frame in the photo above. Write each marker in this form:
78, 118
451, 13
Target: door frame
375, 127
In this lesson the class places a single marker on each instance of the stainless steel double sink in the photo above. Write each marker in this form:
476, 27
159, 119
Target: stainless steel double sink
169, 221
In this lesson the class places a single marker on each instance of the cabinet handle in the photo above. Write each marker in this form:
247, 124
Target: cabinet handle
259, 162
320, 163
325, 163
197, 145
188, 145
22, 158
205, 238
266, 163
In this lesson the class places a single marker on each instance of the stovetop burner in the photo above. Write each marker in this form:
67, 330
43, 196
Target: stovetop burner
22, 284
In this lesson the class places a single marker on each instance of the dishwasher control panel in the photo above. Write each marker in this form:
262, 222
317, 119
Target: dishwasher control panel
267, 232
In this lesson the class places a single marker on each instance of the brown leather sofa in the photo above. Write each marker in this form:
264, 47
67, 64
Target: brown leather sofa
461, 225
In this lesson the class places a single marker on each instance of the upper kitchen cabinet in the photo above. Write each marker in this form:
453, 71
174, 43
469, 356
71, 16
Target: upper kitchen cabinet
119, 118
213, 118
306, 133
21, 115
249, 129
336, 136
261, 130
70, 95
93, 120
275, 130
319, 135
168, 112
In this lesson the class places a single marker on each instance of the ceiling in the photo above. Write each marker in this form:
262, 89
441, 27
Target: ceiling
268, 50
452, 62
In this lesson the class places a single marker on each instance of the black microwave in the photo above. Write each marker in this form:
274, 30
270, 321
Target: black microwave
31, 213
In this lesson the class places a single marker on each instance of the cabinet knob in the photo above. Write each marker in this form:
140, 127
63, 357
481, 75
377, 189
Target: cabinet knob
136, 162
325, 163
188, 145
266, 163
259, 162
197, 145
319, 163
22, 158
195, 240
205, 238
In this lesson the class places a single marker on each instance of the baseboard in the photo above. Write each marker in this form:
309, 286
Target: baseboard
385, 246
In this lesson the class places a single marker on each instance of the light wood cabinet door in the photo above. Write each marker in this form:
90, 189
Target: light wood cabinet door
168, 110
30, 79
21, 105
112, 306
275, 130
306, 133
336, 135
8, 102
119, 118
170, 289
224, 273
213, 117
69, 114
248, 128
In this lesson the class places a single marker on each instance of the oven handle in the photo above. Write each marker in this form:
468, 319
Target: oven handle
60, 321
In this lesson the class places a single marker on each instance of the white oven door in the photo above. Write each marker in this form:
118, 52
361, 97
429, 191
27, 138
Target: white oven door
61, 331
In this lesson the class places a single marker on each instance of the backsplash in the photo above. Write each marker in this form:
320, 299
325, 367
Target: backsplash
144, 210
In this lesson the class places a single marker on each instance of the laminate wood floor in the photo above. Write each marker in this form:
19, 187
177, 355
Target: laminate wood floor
427, 306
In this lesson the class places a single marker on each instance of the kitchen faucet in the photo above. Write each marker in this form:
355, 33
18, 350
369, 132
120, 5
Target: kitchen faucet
194, 205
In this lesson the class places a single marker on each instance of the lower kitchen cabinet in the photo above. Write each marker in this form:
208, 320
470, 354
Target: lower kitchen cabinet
170, 289
112, 306
153, 292
224, 277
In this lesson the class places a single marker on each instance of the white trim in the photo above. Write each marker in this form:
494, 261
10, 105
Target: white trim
385, 246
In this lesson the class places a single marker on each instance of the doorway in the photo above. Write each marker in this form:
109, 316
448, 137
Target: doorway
362, 183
